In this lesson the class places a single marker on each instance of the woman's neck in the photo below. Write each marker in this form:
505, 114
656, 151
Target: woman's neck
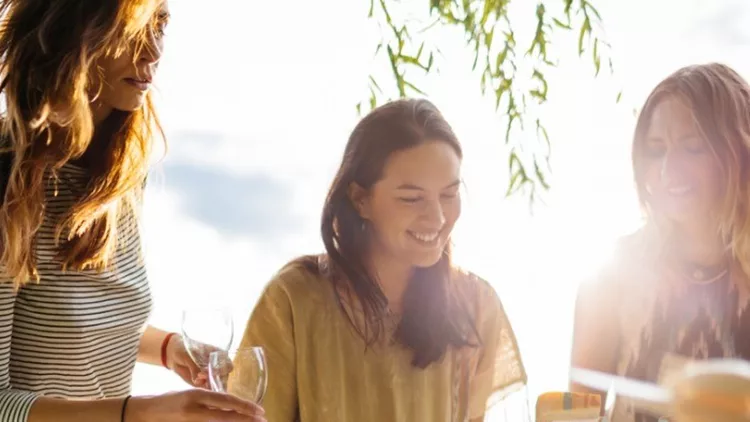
99, 112
392, 276
699, 245
100, 141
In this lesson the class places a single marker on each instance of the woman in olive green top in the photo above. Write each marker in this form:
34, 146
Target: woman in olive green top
383, 327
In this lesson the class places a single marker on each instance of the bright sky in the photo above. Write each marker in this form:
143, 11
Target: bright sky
258, 100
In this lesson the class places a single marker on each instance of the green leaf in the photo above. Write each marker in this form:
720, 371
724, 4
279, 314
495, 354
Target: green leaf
585, 28
541, 132
488, 38
477, 21
516, 168
590, 8
501, 58
619, 97
540, 175
597, 59
486, 13
414, 88
539, 93
396, 74
519, 178
502, 89
411, 60
560, 24
515, 182
374, 83
568, 5
476, 56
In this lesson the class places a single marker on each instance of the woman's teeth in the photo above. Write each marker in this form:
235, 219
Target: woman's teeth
425, 237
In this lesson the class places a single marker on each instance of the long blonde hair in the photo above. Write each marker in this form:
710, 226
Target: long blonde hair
49, 50
720, 101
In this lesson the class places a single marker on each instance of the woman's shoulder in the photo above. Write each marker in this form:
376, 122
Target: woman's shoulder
472, 283
300, 278
633, 254
479, 293
629, 270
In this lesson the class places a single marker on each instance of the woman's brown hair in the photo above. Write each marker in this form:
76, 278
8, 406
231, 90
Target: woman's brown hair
49, 51
720, 102
435, 314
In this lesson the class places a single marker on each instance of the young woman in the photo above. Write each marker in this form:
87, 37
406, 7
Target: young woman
74, 297
678, 289
383, 327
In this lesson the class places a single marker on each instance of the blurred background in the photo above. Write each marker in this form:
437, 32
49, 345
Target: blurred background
258, 99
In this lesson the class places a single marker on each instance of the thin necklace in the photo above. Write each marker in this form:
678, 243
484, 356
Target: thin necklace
701, 275
698, 277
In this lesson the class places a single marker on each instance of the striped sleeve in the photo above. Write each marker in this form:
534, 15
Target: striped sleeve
14, 404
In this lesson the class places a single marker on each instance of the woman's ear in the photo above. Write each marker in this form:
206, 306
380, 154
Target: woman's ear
360, 200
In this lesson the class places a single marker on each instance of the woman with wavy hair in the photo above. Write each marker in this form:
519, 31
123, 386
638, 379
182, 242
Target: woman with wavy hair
678, 289
383, 327
77, 134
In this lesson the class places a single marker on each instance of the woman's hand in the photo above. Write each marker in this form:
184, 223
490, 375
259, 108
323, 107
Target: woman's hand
193, 406
179, 361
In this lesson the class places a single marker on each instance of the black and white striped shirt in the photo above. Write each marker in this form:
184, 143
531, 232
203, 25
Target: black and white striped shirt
75, 334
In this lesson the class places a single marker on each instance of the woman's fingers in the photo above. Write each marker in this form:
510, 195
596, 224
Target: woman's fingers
229, 402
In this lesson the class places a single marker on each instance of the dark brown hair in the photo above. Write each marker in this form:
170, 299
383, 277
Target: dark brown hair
435, 312
720, 102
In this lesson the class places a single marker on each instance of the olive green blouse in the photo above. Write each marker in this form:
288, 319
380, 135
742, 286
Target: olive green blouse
320, 371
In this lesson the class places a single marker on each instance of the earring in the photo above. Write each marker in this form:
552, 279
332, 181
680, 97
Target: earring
364, 225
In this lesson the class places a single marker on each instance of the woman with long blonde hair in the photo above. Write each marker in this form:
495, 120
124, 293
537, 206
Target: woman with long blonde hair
678, 289
77, 136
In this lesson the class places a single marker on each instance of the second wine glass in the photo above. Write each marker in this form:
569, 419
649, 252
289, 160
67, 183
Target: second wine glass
205, 330
242, 373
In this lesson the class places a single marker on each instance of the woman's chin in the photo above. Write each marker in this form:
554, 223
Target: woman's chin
426, 259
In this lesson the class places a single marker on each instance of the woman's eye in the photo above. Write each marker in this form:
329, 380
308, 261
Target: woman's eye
410, 200
696, 147
654, 151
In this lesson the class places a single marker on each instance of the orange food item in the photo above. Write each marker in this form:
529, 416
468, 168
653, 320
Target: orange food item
560, 406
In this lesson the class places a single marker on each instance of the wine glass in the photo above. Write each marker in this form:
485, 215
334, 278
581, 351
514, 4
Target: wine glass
205, 330
242, 373
512, 408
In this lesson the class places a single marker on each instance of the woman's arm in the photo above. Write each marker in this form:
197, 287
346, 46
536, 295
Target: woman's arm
596, 333
150, 348
176, 356
49, 410
195, 405
498, 382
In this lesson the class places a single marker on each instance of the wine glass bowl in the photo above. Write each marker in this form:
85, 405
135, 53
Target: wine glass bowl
242, 373
205, 330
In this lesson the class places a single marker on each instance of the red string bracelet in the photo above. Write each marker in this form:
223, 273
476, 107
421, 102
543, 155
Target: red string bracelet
164, 345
